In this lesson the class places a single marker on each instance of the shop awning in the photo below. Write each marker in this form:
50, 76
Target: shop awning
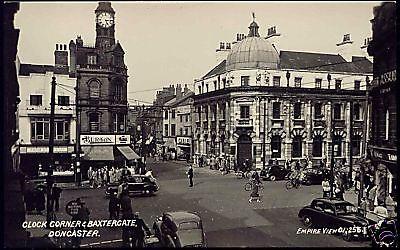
169, 144
128, 153
98, 153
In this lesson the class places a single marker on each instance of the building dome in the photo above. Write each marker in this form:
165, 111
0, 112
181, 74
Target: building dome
252, 52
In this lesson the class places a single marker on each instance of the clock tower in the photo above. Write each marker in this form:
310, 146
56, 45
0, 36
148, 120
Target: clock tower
105, 26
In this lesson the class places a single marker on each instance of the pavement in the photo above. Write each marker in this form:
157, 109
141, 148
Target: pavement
221, 201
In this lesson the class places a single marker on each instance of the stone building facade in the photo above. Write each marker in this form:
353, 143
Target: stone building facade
260, 104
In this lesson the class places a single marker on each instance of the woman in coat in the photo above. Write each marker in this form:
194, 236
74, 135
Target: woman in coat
255, 188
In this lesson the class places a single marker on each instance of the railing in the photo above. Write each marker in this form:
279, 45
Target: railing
243, 122
299, 122
358, 124
277, 122
319, 123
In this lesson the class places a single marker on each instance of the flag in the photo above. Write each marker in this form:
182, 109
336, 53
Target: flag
254, 15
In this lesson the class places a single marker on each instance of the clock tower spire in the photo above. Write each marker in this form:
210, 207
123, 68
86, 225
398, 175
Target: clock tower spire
105, 26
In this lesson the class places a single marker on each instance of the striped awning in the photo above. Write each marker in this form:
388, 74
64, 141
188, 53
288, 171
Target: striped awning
128, 153
98, 153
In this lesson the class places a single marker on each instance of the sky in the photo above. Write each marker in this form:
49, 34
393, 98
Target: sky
174, 42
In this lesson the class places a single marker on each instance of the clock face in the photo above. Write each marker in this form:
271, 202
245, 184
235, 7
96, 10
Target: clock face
105, 20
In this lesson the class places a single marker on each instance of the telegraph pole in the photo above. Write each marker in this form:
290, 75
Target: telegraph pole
332, 149
51, 150
362, 165
265, 132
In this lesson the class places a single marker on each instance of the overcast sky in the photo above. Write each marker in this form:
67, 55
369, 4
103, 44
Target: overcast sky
174, 42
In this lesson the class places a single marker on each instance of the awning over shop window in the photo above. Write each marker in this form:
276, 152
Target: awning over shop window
98, 153
170, 144
128, 153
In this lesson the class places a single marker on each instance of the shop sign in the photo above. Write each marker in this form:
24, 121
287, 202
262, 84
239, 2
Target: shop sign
45, 150
97, 139
123, 139
183, 140
383, 155
386, 77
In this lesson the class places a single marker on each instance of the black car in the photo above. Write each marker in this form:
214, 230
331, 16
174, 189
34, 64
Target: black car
274, 172
335, 214
312, 177
137, 184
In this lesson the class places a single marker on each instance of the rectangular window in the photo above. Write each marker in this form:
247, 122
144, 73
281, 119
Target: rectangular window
187, 118
297, 110
215, 85
317, 110
244, 112
276, 110
337, 112
173, 114
92, 59
173, 130
318, 83
199, 89
186, 131
207, 87
94, 122
277, 81
181, 131
357, 85
36, 100
297, 82
166, 129
180, 118
276, 147
63, 100
224, 83
166, 114
40, 129
297, 147
338, 84
244, 80
59, 130
356, 145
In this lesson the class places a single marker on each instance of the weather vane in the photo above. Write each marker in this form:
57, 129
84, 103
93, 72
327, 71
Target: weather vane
254, 16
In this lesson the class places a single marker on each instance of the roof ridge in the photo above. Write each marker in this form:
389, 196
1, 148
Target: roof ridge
307, 52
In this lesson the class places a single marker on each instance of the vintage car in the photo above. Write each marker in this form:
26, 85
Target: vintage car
137, 184
274, 172
312, 177
335, 214
179, 229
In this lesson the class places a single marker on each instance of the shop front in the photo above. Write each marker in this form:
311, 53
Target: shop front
34, 159
184, 145
384, 161
106, 151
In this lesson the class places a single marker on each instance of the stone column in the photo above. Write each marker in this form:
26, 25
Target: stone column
328, 144
347, 139
309, 125
287, 127
268, 121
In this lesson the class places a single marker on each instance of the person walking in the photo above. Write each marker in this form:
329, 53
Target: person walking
113, 207
326, 188
126, 204
190, 175
256, 182
40, 200
140, 230
55, 196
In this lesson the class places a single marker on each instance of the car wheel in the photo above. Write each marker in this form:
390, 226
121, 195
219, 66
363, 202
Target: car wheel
308, 182
346, 236
307, 221
272, 178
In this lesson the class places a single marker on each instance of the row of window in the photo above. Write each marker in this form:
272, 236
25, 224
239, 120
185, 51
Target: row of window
182, 131
297, 107
40, 129
276, 82
37, 100
118, 122
94, 90
317, 146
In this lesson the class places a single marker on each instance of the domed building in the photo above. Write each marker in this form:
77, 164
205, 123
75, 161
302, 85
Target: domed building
260, 103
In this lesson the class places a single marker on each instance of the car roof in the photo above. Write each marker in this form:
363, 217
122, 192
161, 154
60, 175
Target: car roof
333, 201
181, 216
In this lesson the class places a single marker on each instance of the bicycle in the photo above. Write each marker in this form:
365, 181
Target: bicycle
248, 186
293, 183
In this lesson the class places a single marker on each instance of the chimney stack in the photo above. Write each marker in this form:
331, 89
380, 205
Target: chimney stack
273, 37
186, 89
346, 48
222, 52
61, 58
178, 91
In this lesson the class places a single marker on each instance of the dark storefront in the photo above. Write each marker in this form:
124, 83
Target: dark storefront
383, 140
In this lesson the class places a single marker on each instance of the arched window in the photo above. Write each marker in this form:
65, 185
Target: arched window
317, 146
297, 149
94, 122
94, 89
276, 146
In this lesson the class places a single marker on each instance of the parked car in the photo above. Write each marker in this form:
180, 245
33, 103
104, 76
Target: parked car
180, 229
274, 173
335, 214
137, 184
183, 156
312, 177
